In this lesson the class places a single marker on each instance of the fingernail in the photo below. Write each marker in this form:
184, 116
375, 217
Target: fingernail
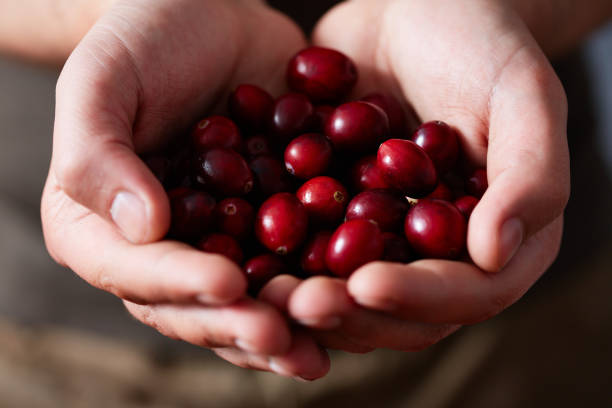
129, 214
511, 239
209, 300
278, 369
245, 346
328, 322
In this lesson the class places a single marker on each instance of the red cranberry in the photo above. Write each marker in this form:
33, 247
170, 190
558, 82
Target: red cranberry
436, 229
466, 205
250, 106
223, 245
292, 114
407, 167
322, 74
225, 172
386, 209
281, 223
397, 248
440, 142
357, 126
308, 156
442, 192
256, 145
216, 131
192, 213
477, 183
262, 268
324, 198
365, 175
354, 244
271, 175
313, 254
394, 111
321, 115
160, 167
235, 217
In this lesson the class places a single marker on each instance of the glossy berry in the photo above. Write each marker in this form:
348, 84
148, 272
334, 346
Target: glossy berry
394, 111
322, 74
324, 198
320, 117
308, 155
216, 131
436, 229
397, 248
466, 205
357, 127
281, 224
270, 175
440, 142
292, 114
250, 106
407, 167
262, 268
223, 245
256, 145
365, 175
352, 245
383, 207
312, 260
235, 217
191, 213
225, 172
442, 192
477, 183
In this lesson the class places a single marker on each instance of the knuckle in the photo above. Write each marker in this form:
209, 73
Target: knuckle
70, 171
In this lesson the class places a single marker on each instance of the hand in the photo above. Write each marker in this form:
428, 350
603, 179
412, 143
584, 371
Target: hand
143, 73
476, 66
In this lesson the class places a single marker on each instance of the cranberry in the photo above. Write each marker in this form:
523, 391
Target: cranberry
394, 111
397, 248
357, 126
160, 167
250, 106
191, 213
407, 167
216, 131
477, 183
262, 268
324, 198
365, 175
322, 74
225, 172
466, 205
292, 114
321, 115
436, 229
352, 245
235, 217
223, 245
385, 208
442, 192
271, 175
281, 224
308, 156
313, 254
256, 145
440, 142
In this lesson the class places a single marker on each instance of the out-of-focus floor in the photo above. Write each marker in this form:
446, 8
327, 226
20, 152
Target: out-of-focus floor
64, 344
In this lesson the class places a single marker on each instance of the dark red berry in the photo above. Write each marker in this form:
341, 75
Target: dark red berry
281, 224
262, 268
477, 183
292, 114
223, 245
357, 127
324, 198
436, 229
313, 254
256, 145
308, 155
321, 115
250, 106
365, 175
235, 217
216, 131
394, 111
352, 245
407, 167
440, 142
322, 74
192, 213
225, 172
385, 208
397, 248
466, 205
442, 192
270, 175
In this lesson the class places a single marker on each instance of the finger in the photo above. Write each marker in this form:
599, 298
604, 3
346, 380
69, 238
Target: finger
304, 360
436, 291
278, 290
334, 340
247, 324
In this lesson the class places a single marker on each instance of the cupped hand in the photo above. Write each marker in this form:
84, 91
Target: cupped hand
143, 73
475, 66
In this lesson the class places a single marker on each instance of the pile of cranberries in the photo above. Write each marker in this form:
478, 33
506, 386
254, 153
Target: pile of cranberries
312, 184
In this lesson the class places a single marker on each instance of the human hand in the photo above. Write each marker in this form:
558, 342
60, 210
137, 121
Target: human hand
475, 66
143, 73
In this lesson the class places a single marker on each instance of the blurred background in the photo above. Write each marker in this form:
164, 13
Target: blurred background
65, 344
